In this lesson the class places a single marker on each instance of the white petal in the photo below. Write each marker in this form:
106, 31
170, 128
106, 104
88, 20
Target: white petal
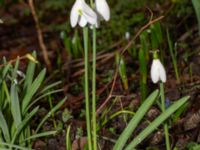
158, 71
97, 25
162, 72
155, 71
82, 21
89, 14
74, 15
103, 9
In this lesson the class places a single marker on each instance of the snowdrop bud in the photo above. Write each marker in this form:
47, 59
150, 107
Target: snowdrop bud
102, 9
1, 21
127, 35
158, 72
21, 74
15, 81
82, 14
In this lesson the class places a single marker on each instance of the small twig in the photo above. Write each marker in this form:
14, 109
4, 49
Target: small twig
140, 31
40, 36
151, 13
102, 57
14, 60
122, 52
110, 94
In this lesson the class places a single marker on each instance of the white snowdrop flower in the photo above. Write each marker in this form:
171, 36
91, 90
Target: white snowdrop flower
102, 9
1, 21
21, 74
15, 81
158, 72
82, 14
127, 35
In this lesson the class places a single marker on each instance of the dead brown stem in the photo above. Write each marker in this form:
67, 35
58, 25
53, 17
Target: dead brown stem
40, 36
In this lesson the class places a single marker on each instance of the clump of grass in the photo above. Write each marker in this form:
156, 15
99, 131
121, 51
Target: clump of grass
19, 94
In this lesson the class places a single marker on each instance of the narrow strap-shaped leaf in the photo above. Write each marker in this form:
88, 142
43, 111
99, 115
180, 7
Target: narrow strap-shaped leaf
4, 127
39, 135
5, 70
68, 142
49, 87
14, 72
196, 4
42, 96
15, 105
29, 73
159, 120
135, 120
34, 87
24, 123
13, 146
50, 113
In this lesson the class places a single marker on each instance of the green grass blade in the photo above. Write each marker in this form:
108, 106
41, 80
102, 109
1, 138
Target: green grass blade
41, 97
196, 4
5, 88
159, 120
24, 123
49, 87
14, 72
173, 56
143, 74
55, 108
68, 141
29, 73
122, 70
13, 146
15, 106
4, 149
5, 70
135, 120
4, 127
34, 87
39, 135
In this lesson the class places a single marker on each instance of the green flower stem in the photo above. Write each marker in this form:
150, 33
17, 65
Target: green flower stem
92, 3
167, 142
87, 103
94, 125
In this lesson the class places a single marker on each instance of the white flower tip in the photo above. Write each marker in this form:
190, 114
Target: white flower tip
82, 14
106, 14
89, 14
73, 22
158, 72
74, 14
103, 9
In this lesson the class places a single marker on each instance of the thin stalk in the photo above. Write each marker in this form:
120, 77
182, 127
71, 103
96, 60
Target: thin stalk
173, 57
92, 3
51, 107
167, 142
87, 103
68, 142
117, 114
94, 124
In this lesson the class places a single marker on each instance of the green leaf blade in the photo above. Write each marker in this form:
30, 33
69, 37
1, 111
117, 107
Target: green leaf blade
135, 120
4, 127
34, 87
156, 123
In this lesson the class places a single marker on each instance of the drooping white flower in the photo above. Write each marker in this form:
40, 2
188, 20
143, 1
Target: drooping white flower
158, 72
1, 21
82, 14
102, 9
127, 35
